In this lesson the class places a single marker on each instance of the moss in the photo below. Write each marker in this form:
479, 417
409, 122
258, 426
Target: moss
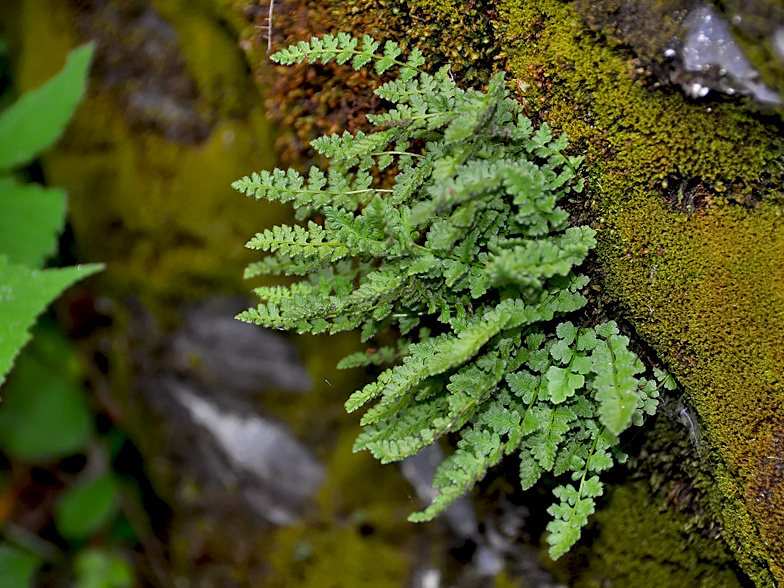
639, 542
313, 100
706, 289
212, 54
333, 557
173, 228
362, 535
709, 296
503, 580
636, 137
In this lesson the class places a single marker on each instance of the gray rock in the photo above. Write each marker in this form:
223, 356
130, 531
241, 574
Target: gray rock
710, 44
275, 472
236, 357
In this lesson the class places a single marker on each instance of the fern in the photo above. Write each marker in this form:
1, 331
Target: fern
469, 257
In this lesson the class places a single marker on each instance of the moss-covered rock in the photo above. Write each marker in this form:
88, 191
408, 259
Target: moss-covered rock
688, 188
639, 542
171, 119
665, 172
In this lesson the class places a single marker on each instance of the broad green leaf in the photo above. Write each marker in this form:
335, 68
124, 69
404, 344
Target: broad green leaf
42, 416
16, 567
31, 218
24, 294
38, 118
84, 509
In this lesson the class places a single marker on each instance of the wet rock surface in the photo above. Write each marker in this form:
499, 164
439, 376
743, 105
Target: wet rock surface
688, 44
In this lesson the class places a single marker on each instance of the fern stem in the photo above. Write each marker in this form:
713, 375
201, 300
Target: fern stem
395, 153
585, 470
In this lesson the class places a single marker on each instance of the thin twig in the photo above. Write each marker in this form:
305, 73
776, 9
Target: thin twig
269, 26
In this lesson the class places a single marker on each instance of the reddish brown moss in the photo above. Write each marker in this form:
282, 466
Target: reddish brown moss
313, 100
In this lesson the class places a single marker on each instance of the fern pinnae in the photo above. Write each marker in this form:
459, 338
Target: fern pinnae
468, 240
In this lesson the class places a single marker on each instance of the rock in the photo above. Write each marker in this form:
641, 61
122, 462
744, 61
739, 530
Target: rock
276, 474
224, 353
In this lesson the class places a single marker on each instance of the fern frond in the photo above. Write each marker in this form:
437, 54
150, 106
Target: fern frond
477, 451
535, 261
470, 241
299, 243
615, 384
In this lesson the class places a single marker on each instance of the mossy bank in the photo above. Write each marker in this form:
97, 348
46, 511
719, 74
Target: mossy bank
687, 198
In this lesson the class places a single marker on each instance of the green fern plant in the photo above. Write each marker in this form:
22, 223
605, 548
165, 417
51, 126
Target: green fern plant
468, 256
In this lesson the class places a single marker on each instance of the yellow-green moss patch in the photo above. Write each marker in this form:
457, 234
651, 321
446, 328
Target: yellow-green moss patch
641, 543
706, 290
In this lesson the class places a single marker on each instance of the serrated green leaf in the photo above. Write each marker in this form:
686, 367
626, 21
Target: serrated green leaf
31, 218
24, 294
562, 383
470, 240
38, 118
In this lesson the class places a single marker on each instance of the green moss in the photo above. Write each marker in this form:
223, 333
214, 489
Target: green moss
637, 137
333, 557
170, 227
640, 542
361, 537
706, 290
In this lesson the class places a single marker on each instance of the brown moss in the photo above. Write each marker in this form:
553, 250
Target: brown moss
313, 100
